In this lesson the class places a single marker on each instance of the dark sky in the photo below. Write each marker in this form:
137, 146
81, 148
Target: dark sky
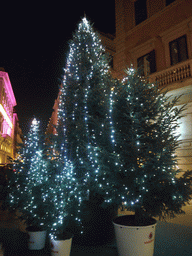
34, 45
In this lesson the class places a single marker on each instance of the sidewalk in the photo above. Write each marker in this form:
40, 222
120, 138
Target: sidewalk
173, 238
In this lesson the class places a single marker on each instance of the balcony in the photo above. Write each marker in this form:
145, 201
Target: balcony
174, 74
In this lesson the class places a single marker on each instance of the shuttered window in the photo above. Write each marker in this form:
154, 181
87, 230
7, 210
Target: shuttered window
147, 64
178, 50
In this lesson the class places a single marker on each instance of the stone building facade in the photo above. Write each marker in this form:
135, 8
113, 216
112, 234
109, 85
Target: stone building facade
156, 36
10, 133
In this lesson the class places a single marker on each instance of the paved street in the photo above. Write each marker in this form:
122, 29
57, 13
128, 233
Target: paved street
173, 238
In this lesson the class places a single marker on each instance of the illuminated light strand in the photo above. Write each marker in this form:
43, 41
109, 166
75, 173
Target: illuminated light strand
110, 116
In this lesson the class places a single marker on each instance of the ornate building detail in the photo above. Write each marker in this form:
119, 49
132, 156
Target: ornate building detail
8, 119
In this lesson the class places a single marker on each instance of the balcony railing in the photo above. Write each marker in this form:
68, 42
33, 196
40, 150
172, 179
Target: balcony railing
174, 74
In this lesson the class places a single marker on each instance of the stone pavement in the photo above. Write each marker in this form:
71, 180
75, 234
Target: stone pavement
173, 238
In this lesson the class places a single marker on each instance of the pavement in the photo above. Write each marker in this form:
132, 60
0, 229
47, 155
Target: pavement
172, 238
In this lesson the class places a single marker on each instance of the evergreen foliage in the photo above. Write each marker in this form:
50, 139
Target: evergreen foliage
115, 142
83, 118
145, 123
62, 190
27, 185
83, 109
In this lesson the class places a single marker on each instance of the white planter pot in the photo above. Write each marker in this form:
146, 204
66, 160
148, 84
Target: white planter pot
36, 240
61, 247
134, 240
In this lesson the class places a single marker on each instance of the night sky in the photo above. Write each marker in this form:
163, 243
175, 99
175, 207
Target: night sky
34, 45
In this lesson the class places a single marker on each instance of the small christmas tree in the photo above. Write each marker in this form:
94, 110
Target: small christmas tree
62, 190
27, 186
145, 139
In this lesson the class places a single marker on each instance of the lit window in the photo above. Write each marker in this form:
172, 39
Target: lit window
147, 64
178, 50
140, 11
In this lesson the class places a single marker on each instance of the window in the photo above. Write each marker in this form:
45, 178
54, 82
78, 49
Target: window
178, 50
169, 2
147, 64
140, 11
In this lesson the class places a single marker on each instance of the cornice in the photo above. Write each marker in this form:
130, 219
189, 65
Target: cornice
8, 87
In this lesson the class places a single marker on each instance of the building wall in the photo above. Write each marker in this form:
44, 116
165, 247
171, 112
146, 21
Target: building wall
7, 118
18, 136
163, 25
132, 40
107, 41
51, 127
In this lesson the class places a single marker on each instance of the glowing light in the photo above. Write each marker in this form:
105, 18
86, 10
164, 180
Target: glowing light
3, 112
34, 122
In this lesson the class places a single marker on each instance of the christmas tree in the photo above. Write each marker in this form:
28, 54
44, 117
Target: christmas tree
62, 190
83, 118
83, 107
27, 186
145, 138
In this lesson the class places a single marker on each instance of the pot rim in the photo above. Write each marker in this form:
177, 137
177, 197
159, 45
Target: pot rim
35, 229
59, 240
131, 226
64, 236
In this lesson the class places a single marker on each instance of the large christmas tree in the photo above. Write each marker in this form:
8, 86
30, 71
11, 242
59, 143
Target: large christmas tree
145, 124
83, 122
83, 108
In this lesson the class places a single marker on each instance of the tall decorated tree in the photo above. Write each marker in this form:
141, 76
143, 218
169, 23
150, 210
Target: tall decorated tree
27, 186
83, 107
145, 138
83, 114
